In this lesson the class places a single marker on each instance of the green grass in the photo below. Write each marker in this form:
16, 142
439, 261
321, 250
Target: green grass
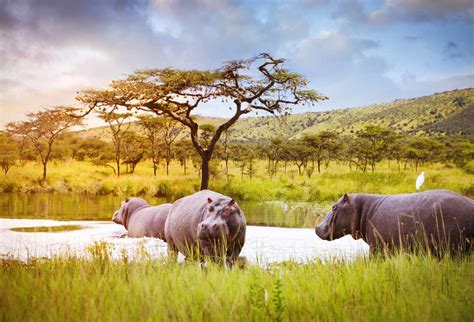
83, 178
399, 288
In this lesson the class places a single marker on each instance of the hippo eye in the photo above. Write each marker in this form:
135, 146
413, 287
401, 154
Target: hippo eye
211, 208
334, 208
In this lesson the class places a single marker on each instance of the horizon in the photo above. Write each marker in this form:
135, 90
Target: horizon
357, 53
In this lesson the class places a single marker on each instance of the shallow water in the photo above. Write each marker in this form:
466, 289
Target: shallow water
63, 224
263, 245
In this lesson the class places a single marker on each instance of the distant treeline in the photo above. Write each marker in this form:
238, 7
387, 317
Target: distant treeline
162, 141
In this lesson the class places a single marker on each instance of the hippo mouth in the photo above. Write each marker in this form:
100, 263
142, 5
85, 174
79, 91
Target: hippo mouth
323, 232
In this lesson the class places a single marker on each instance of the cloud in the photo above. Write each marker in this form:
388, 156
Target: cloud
331, 55
392, 11
422, 10
50, 49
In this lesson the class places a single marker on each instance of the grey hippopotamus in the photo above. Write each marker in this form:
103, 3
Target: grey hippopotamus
206, 224
439, 220
142, 220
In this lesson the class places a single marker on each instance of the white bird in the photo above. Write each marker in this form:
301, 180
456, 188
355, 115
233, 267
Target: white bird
420, 180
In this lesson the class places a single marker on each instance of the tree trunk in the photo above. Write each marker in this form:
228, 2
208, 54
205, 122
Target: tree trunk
117, 162
319, 166
204, 173
44, 170
167, 167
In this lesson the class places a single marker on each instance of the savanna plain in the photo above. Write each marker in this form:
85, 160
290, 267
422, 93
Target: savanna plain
417, 287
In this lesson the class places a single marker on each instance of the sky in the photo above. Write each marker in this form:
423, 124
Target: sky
355, 52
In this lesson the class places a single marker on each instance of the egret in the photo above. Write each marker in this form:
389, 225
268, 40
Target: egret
420, 180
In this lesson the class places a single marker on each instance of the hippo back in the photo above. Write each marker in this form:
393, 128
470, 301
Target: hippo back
149, 221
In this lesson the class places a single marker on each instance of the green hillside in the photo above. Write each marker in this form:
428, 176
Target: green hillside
449, 113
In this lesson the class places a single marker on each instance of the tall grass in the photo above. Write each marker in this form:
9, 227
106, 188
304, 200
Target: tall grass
84, 178
399, 288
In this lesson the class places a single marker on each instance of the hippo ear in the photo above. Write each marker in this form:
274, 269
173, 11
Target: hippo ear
231, 202
345, 198
126, 200
209, 200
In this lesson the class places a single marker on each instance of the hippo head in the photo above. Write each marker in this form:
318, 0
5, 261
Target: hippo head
127, 207
339, 221
222, 224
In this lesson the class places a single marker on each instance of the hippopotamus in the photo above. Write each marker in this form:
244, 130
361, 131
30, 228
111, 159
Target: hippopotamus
142, 220
204, 225
436, 220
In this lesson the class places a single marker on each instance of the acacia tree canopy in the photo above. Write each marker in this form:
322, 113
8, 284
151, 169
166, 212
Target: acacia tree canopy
261, 83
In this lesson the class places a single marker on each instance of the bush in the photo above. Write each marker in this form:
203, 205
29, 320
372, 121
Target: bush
163, 190
469, 167
8, 186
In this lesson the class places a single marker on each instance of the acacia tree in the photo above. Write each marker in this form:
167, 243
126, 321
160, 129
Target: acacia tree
170, 129
257, 84
321, 145
9, 152
226, 138
151, 127
274, 151
379, 139
43, 128
134, 150
184, 151
119, 128
160, 130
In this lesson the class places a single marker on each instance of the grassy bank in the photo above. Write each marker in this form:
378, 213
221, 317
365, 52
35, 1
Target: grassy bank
84, 178
401, 288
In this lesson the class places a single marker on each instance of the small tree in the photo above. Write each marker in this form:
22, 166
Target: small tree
43, 128
379, 139
119, 128
274, 152
184, 151
321, 145
9, 152
225, 141
422, 150
170, 131
257, 84
134, 150
152, 128
299, 155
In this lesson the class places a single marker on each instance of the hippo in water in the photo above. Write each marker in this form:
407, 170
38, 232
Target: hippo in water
142, 220
440, 220
206, 225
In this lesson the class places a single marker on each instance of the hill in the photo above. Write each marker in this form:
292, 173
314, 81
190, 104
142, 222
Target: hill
442, 114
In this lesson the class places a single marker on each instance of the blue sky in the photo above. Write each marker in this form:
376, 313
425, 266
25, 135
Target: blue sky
355, 52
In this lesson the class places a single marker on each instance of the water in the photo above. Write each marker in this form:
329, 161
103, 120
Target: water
85, 207
46, 225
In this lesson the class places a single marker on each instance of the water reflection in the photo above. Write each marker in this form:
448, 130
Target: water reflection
85, 207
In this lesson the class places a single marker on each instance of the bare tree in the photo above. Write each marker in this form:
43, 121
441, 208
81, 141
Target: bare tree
43, 128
